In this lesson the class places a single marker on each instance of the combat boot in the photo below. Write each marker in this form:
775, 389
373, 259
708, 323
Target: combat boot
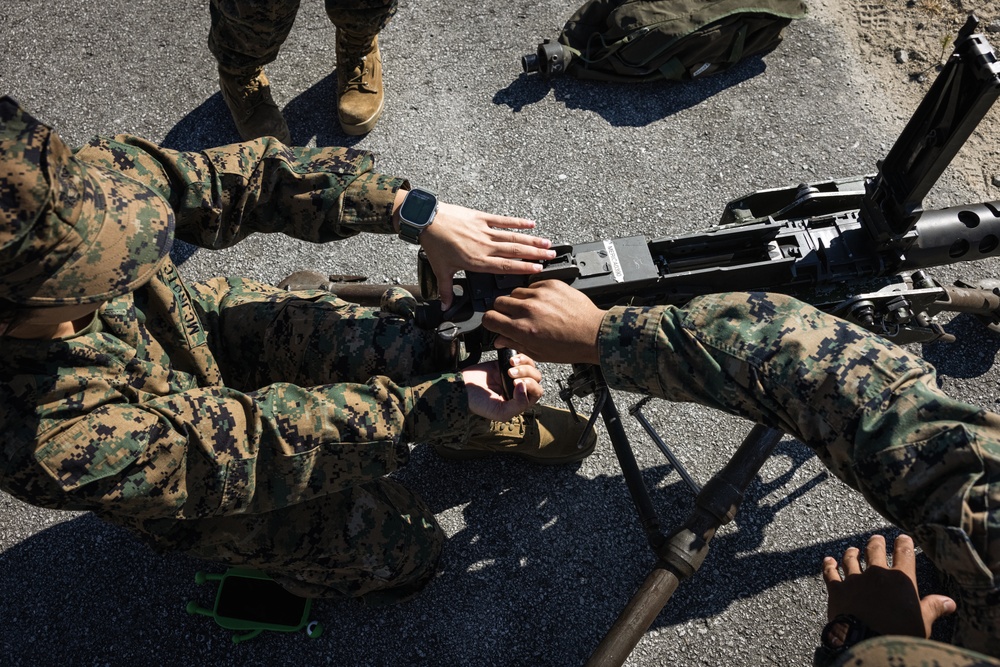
248, 97
545, 435
359, 82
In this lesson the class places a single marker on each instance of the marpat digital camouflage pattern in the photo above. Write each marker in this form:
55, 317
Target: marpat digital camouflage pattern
245, 35
910, 652
71, 232
229, 419
871, 411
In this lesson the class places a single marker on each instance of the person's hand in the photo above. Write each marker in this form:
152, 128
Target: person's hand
883, 598
548, 320
462, 239
483, 383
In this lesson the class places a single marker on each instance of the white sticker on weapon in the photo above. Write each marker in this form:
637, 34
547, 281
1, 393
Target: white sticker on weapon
616, 267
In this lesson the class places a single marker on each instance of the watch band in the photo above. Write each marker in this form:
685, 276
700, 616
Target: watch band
409, 233
420, 205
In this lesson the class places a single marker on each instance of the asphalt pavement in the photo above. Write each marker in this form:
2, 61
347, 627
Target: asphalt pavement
539, 561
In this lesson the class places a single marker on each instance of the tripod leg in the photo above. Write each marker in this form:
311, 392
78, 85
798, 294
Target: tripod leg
686, 549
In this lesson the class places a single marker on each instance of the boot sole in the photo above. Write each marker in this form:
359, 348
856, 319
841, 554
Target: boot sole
475, 454
357, 129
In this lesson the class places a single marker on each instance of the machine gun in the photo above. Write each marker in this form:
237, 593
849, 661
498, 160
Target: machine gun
859, 248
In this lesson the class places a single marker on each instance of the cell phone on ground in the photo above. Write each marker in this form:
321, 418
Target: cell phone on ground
259, 601
248, 600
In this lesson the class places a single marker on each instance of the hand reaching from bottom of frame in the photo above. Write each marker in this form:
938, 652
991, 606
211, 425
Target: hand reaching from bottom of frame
884, 598
485, 391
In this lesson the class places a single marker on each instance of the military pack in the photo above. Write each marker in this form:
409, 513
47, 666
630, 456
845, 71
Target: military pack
674, 40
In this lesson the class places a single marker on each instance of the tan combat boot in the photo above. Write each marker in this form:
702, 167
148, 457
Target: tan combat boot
545, 435
248, 97
359, 82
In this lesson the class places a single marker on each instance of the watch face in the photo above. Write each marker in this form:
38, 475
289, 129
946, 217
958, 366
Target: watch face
418, 207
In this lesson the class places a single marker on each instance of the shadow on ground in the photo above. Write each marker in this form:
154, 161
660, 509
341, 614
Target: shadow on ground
625, 104
972, 354
542, 568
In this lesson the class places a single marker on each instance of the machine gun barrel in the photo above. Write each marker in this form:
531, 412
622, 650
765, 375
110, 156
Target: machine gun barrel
959, 98
956, 234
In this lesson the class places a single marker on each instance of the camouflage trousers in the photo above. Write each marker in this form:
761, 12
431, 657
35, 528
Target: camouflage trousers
247, 34
872, 411
378, 539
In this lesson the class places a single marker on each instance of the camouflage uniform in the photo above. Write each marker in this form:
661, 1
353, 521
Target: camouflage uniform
247, 34
871, 411
910, 652
228, 419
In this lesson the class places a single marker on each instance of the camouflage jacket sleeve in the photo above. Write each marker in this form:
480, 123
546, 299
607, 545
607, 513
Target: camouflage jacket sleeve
221, 195
872, 412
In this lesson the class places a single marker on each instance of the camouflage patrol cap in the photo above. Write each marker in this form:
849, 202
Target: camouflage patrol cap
71, 232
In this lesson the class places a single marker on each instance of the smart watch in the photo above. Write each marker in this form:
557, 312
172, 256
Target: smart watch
416, 214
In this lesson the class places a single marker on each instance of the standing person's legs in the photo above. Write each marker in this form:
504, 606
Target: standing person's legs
246, 35
360, 95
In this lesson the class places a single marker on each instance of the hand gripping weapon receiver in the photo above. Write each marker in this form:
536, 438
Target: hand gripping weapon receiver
859, 248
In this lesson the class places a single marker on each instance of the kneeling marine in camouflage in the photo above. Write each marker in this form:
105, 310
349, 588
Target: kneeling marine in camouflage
227, 419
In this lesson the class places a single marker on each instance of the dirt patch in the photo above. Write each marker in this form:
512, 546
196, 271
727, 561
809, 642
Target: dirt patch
903, 43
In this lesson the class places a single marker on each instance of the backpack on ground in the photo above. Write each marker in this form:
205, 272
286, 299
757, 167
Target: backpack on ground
675, 40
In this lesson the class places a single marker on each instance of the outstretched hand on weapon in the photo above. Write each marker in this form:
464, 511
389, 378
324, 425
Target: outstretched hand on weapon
548, 320
463, 239
883, 598
485, 392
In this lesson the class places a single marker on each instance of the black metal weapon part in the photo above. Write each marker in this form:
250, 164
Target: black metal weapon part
860, 248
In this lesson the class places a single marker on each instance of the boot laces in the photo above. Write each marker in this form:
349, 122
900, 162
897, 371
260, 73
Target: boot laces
518, 425
253, 87
253, 91
353, 52
358, 79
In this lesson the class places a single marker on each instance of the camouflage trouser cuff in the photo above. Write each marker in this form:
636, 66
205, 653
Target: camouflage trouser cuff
439, 410
398, 301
